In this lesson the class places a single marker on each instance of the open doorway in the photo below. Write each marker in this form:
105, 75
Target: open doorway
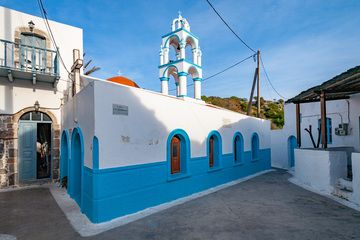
34, 146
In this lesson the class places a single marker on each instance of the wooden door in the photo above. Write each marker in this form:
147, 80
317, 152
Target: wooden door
27, 151
175, 155
211, 152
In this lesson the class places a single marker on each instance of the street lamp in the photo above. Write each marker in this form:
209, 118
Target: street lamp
31, 25
37, 106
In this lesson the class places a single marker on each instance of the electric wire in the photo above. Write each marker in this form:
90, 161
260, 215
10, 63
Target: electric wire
268, 79
222, 19
47, 25
220, 72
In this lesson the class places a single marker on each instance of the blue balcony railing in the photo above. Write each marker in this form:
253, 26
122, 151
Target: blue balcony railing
25, 58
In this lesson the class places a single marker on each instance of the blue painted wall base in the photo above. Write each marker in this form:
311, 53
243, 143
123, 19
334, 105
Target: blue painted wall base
115, 192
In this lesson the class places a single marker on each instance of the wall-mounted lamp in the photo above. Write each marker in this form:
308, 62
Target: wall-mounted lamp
37, 106
31, 25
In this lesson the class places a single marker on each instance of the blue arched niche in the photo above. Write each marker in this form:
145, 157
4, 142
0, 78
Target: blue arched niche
238, 148
255, 147
64, 154
76, 166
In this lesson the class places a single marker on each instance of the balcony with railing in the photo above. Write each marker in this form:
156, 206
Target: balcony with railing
26, 62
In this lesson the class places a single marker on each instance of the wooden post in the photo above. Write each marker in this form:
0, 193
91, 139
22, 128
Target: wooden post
323, 120
298, 125
258, 83
252, 94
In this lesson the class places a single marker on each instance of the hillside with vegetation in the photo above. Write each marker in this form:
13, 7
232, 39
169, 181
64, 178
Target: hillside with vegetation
271, 110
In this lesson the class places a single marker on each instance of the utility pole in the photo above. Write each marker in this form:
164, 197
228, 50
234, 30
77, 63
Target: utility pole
256, 80
258, 83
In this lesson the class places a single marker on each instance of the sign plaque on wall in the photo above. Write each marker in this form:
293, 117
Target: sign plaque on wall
120, 109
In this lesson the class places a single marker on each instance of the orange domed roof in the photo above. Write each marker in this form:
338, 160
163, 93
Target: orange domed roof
123, 81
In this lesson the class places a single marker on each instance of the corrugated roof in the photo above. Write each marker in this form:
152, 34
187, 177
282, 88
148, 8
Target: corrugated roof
339, 87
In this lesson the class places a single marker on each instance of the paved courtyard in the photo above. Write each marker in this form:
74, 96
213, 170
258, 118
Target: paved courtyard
265, 207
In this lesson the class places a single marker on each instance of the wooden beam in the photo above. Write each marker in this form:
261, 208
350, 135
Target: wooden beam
258, 83
318, 99
252, 94
298, 125
323, 120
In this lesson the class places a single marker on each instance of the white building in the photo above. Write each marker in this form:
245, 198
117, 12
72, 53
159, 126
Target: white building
330, 163
124, 149
32, 85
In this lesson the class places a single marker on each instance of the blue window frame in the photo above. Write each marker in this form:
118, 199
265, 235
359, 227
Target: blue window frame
328, 130
184, 154
214, 151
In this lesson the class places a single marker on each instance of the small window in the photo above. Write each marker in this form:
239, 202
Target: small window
178, 155
175, 155
214, 151
36, 116
46, 117
255, 147
26, 116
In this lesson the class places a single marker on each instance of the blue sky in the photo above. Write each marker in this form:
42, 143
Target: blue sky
303, 43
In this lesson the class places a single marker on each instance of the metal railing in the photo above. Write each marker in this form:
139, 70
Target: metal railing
28, 58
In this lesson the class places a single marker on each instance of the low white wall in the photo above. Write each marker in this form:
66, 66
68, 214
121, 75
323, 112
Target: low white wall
320, 169
356, 177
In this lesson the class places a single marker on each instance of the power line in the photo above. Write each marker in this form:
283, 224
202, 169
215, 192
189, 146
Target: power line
222, 71
222, 19
47, 25
268, 79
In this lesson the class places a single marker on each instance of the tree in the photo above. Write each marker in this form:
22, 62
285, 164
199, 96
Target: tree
91, 70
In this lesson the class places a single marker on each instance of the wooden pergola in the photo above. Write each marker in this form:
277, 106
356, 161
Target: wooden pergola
339, 87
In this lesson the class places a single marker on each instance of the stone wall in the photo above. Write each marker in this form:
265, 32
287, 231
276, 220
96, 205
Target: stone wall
8, 151
9, 148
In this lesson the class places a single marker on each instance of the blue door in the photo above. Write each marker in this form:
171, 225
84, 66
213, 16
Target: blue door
291, 146
27, 151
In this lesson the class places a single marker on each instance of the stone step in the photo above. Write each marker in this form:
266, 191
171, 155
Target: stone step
342, 193
344, 184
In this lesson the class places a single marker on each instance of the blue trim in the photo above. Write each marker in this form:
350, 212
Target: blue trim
292, 144
182, 95
65, 153
170, 36
240, 149
255, 146
184, 155
179, 60
182, 74
169, 66
197, 79
217, 151
164, 79
178, 30
74, 176
115, 192
95, 153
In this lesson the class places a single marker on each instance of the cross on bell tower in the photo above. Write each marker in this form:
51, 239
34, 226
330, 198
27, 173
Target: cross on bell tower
180, 38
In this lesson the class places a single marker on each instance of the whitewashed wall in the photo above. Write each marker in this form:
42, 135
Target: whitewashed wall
20, 94
356, 178
141, 136
348, 110
320, 169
